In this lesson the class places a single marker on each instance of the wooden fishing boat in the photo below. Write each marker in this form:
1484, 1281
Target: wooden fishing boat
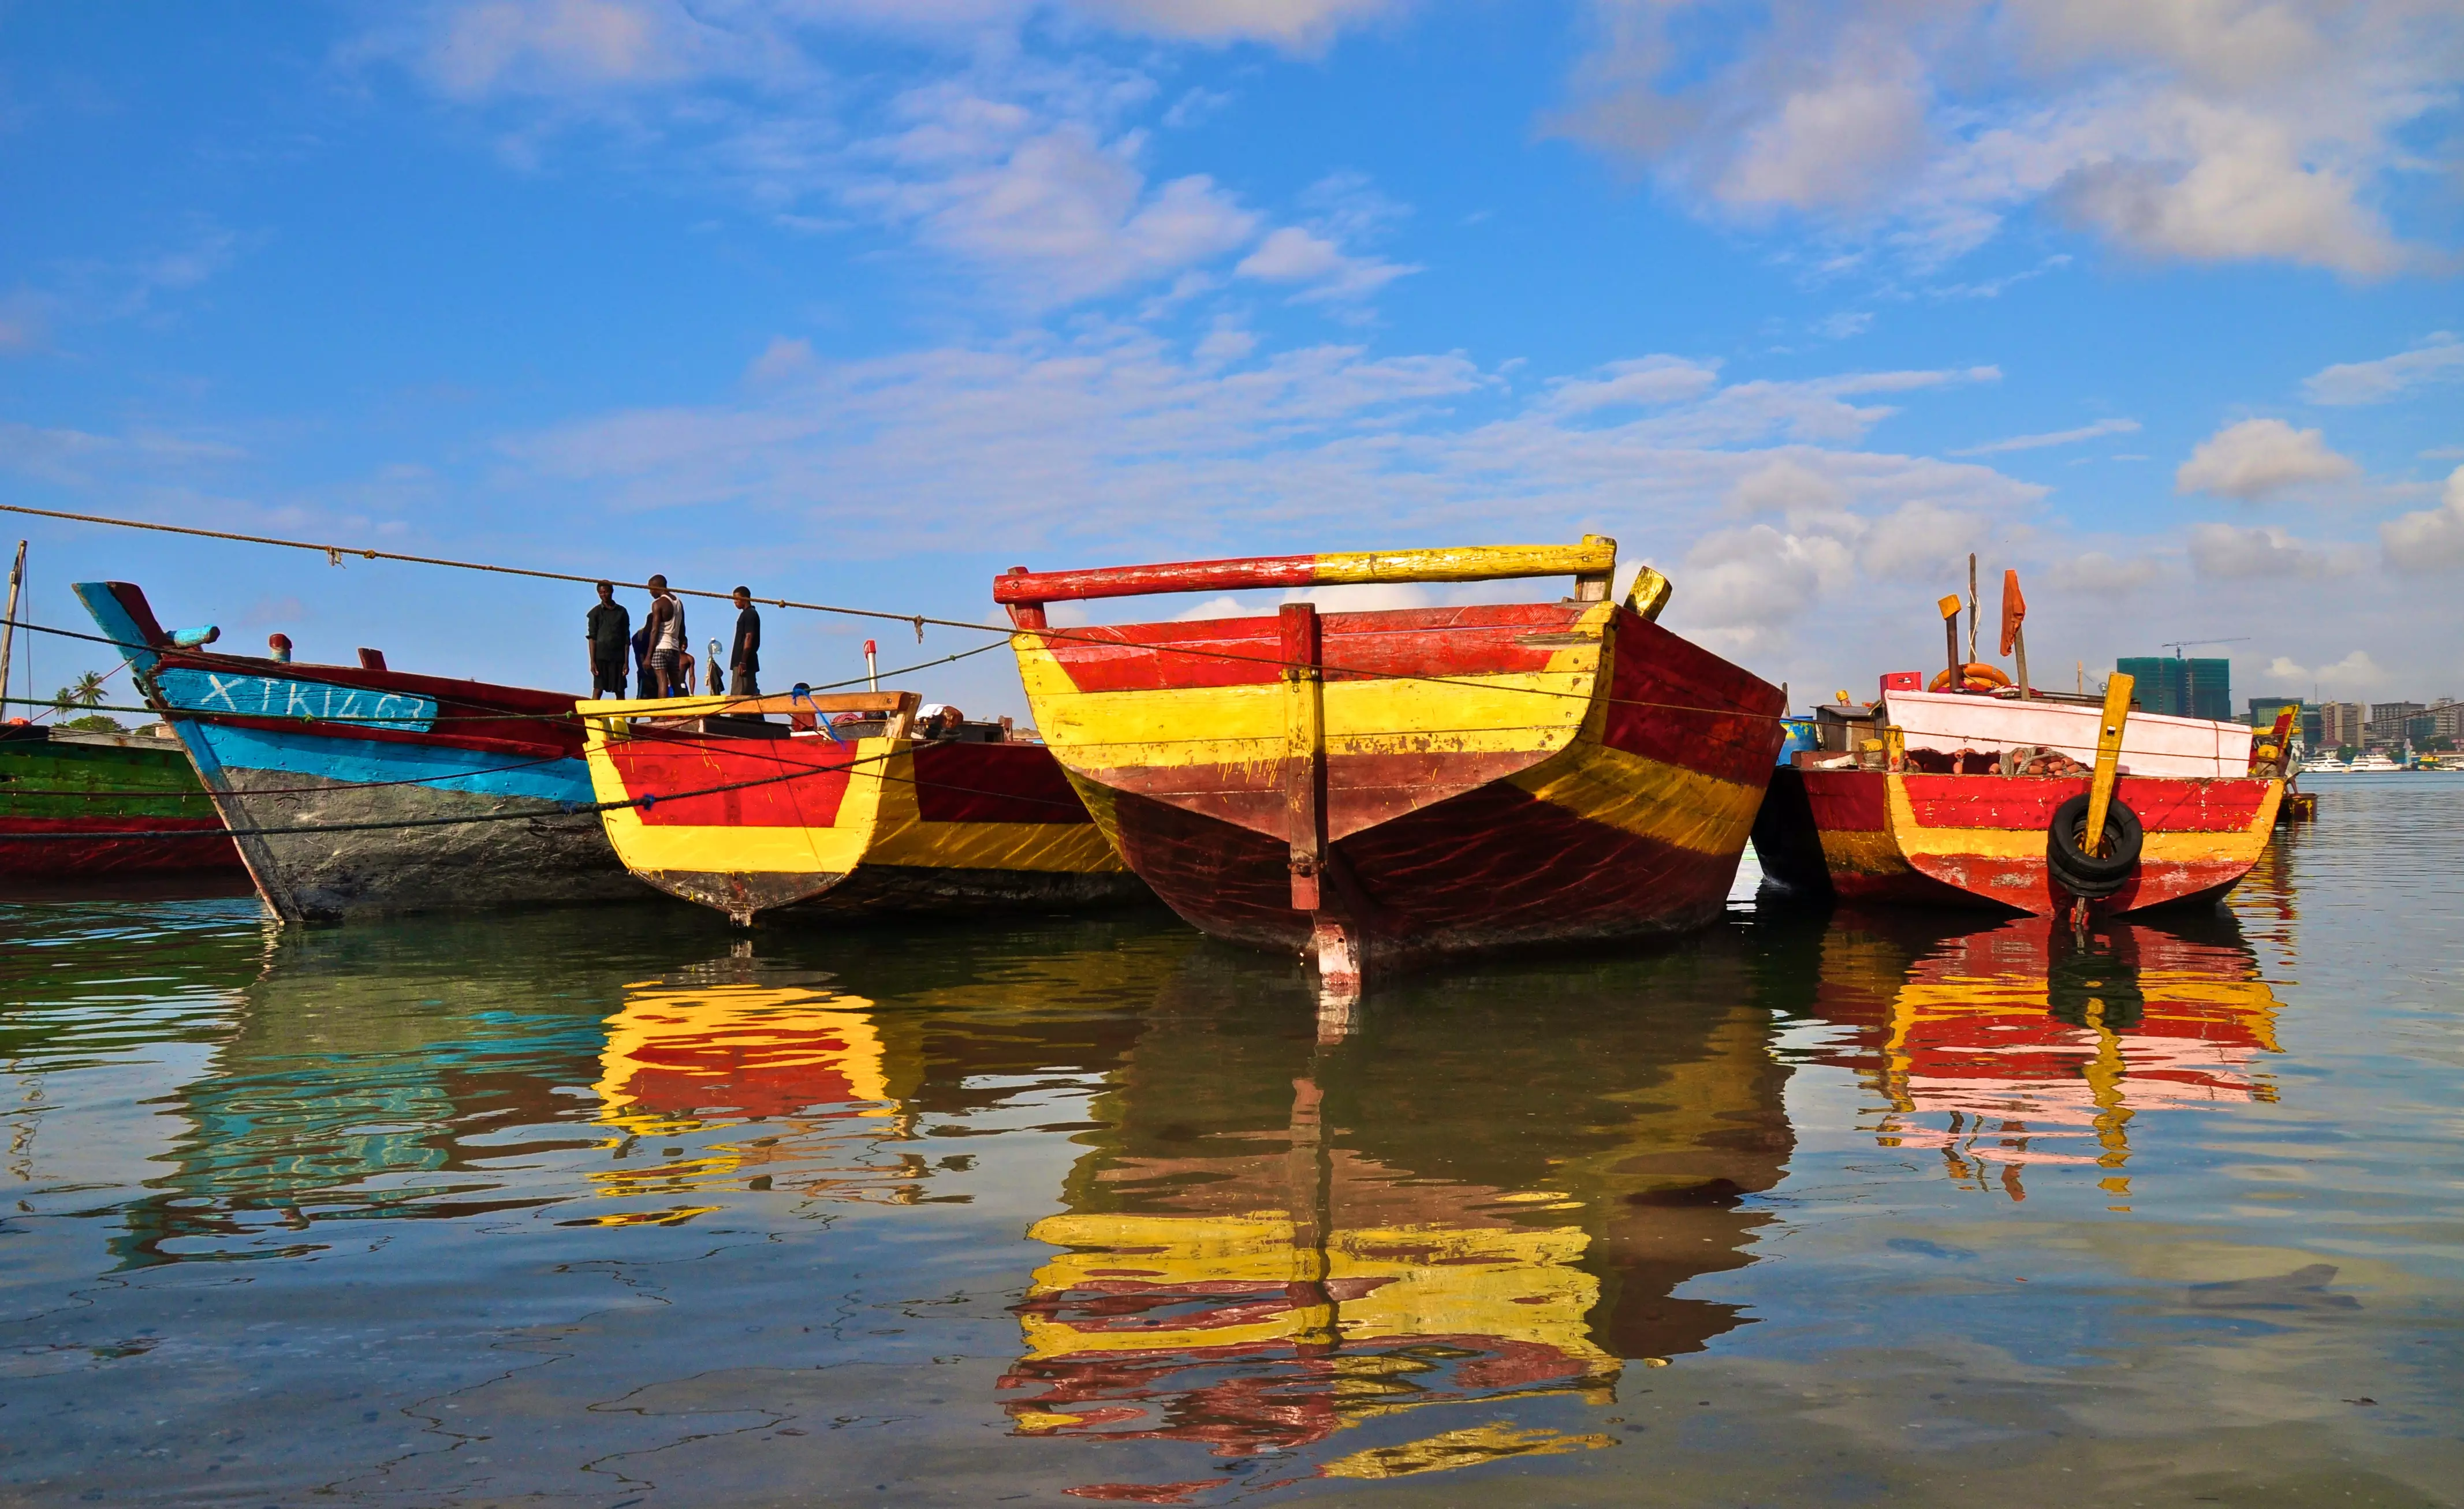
79, 805
359, 789
1408, 784
2035, 804
754, 817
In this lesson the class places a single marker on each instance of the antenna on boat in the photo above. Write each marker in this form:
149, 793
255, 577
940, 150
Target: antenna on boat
871, 669
9, 628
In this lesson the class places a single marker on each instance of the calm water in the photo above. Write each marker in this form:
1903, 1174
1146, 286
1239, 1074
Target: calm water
599, 1210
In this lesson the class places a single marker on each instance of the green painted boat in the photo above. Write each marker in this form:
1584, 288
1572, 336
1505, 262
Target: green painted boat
76, 804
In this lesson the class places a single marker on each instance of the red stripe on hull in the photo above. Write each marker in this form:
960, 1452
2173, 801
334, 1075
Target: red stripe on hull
1249, 652
1491, 868
86, 846
2027, 801
1851, 808
690, 762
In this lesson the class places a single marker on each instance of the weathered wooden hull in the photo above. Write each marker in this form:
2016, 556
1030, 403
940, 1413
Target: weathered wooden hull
1914, 839
91, 806
813, 827
1488, 777
426, 794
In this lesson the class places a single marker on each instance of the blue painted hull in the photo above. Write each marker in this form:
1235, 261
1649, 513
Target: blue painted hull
447, 863
421, 794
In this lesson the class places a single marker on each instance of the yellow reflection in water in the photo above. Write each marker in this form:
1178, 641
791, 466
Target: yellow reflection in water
2017, 1045
808, 1066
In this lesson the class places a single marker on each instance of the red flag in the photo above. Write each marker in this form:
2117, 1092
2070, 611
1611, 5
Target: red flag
2015, 609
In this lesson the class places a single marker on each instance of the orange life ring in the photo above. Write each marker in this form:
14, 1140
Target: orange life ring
1975, 676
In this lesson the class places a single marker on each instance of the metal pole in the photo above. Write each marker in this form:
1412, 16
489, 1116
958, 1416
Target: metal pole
9, 628
871, 670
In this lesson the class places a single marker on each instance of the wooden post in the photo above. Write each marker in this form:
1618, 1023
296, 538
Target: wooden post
2108, 758
1304, 753
2019, 652
1971, 605
9, 627
1949, 606
1335, 945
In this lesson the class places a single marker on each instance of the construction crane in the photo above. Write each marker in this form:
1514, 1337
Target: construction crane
2177, 646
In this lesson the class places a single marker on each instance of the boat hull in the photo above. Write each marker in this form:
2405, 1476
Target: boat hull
96, 805
1917, 839
418, 792
814, 828
1488, 778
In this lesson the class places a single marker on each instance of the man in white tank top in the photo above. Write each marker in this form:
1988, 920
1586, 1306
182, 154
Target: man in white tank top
667, 638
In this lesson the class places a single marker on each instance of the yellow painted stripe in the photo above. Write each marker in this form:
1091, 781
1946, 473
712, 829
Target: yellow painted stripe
1245, 725
878, 822
1647, 797
1595, 557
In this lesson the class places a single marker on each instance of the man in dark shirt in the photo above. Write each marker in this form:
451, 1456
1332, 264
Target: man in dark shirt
745, 655
609, 631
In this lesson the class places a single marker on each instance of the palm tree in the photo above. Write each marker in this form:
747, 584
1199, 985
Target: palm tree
86, 693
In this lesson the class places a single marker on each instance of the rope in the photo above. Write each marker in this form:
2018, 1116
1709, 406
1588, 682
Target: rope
561, 809
334, 553
441, 717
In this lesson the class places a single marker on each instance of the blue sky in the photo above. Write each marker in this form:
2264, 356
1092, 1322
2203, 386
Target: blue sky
863, 300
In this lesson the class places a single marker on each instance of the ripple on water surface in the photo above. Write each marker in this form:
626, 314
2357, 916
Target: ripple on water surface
611, 1207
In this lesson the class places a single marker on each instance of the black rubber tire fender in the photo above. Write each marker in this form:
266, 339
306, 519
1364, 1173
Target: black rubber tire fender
2093, 875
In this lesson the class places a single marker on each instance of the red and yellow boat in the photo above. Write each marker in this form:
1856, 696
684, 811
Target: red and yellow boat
1402, 784
841, 807
2001, 796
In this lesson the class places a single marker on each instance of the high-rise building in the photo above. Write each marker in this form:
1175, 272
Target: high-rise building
2447, 719
2340, 724
2188, 689
2391, 723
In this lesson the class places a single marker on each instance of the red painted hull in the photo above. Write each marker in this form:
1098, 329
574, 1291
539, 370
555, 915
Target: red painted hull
95, 852
1873, 837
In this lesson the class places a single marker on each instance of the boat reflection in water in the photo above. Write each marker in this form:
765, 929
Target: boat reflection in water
1337, 1261
2017, 1045
820, 1075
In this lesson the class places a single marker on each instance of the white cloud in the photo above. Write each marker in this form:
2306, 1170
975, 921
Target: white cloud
2431, 541
2234, 552
1785, 485
2354, 674
2198, 129
2099, 574
1301, 26
780, 361
2438, 359
2059, 437
2261, 457
1108, 433
558, 46
1646, 383
1292, 255
1057, 216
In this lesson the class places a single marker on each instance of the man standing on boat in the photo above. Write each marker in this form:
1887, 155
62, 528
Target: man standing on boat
667, 639
609, 631
744, 656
